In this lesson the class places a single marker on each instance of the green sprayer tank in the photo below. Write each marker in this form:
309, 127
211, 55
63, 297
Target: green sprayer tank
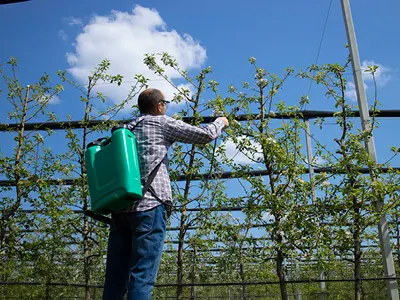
113, 171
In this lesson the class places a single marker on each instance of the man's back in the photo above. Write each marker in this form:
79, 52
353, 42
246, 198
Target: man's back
154, 135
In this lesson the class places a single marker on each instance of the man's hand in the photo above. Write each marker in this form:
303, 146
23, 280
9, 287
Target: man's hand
225, 120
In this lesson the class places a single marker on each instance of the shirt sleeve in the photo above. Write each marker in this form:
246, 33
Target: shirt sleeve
179, 131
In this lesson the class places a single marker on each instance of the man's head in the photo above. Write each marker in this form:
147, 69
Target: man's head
152, 101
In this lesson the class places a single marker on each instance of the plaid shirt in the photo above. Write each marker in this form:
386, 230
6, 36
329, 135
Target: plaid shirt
154, 135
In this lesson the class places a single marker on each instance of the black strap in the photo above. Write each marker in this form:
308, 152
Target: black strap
134, 126
97, 217
151, 177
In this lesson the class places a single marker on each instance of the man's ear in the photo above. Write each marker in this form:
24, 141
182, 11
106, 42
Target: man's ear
159, 109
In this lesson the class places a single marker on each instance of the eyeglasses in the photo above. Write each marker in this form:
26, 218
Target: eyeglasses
163, 101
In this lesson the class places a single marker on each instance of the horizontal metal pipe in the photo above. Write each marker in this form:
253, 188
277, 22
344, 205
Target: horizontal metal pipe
223, 175
304, 114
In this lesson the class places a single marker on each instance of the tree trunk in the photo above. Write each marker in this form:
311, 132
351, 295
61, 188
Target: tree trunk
84, 195
398, 239
179, 275
86, 254
48, 297
7, 214
280, 270
192, 289
357, 250
242, 278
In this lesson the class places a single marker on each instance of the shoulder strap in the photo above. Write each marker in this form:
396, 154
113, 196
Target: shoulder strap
132, 127
152, 176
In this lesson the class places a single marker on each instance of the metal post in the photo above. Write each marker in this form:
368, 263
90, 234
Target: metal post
310, 158
298, 292
383, 229
322, 284
192, 288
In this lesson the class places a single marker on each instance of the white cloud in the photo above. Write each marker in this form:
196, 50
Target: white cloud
63, 35
268, 217
53, 100
381, 75
124, 38
73, 21
326, 183
240, 157
319, 160
351, 90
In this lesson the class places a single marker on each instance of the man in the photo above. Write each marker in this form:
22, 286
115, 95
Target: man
137, 234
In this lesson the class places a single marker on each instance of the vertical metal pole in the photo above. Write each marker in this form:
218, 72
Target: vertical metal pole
322, 284
298, 292
397, 252
192, 288
310, 158
383, 229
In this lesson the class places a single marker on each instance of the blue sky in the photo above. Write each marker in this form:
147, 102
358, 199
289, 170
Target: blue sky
46, 36
279, 34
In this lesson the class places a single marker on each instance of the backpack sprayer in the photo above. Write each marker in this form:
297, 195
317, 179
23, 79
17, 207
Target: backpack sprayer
113, 171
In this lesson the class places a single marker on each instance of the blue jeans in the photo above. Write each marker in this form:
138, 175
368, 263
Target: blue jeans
134, 253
